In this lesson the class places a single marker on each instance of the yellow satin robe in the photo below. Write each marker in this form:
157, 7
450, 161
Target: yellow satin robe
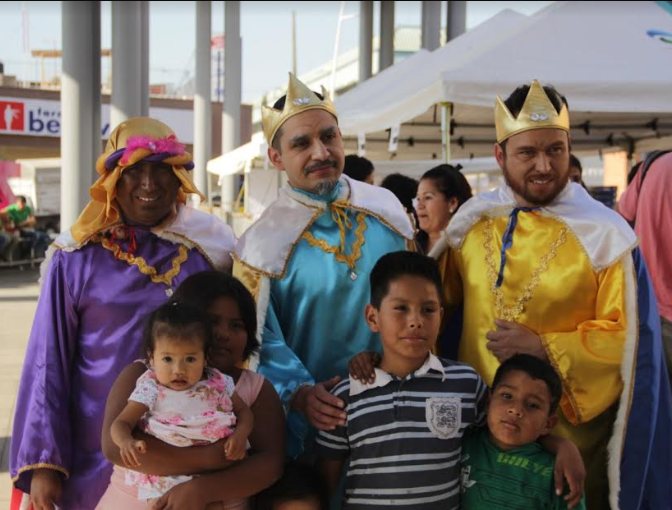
578, 312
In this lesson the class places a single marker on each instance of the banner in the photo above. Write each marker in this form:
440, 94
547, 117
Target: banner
42, 117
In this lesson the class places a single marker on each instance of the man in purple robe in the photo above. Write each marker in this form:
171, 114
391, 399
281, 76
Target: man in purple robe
133, 244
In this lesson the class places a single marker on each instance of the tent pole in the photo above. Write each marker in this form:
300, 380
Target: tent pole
445, 131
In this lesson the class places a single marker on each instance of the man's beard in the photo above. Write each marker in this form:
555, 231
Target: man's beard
325, 187
521, 189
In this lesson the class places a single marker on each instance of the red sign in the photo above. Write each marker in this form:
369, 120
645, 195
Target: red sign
12, 116
7, 169
217, 42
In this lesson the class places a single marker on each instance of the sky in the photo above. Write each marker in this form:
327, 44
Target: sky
266, 29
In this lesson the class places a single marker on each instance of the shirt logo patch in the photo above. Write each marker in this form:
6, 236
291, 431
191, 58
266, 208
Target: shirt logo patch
443, 416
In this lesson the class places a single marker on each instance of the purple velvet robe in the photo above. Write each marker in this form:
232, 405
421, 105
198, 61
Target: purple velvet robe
88, 327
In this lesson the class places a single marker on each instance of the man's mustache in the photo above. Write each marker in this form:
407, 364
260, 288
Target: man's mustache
320, 165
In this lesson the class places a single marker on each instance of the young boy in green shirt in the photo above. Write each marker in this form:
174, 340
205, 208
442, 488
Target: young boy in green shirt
503, 465
402, 458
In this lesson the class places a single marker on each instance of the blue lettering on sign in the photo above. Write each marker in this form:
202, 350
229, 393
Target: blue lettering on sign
35, 125
54, 127
48, 121
41, 121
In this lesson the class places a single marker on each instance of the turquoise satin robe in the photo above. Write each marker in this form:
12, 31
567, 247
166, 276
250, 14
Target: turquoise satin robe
315, 318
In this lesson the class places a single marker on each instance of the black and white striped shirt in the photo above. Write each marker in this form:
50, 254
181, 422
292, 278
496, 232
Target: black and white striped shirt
403, 436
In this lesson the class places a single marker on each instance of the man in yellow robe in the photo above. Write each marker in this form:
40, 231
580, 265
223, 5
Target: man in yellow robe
541, 268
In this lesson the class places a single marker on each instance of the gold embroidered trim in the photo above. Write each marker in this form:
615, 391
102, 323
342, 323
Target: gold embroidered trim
566, 390
380, 219
249, 277
339, 253
280, 276
194, 244
353, 207
512, 313
506, 210
32, 467
141, 263
238, 260
318, 211
503, 210
597, 268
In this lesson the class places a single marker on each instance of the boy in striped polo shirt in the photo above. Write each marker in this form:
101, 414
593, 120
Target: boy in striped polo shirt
404, 428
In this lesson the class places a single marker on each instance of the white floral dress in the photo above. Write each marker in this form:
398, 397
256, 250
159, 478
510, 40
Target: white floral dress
199, 415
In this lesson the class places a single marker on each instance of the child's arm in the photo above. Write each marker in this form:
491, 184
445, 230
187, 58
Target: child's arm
330, 471
249, 477
361, 366
121, 432
568, 465
236, 444
161, 458
333, 448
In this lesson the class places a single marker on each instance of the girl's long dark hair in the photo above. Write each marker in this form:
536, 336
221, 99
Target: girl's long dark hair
203, 289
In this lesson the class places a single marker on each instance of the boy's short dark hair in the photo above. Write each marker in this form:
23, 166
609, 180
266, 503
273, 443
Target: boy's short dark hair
404, 188
401, 263
357, 167
536, 369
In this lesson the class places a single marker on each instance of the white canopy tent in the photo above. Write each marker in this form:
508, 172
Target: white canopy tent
239, 160
407, 89
603, 57
379, 94
609, 60
415, 169
262, 181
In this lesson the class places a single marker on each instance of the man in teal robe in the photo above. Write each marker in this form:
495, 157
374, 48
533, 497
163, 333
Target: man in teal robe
307, 262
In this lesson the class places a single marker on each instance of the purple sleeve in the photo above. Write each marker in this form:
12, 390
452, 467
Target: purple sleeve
42, 434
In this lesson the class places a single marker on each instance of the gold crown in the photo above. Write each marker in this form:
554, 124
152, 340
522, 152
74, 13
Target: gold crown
299, 99
537, 113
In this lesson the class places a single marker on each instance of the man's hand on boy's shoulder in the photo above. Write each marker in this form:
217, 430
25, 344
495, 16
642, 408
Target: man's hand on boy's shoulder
362, 366
323, 410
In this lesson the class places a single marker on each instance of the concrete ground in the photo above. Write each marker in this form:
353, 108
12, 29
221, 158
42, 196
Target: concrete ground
18, 300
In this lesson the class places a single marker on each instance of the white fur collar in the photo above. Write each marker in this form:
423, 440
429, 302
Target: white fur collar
603, 233
191, 227
268, 244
